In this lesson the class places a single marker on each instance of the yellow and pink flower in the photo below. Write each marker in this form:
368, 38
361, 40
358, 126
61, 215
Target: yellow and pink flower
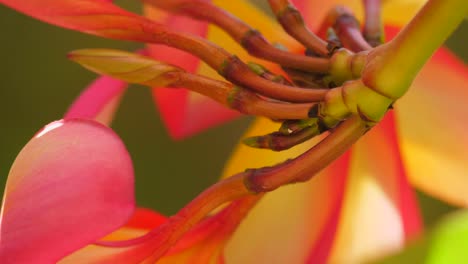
360, 207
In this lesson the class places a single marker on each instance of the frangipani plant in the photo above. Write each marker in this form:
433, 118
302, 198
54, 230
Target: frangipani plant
322, 115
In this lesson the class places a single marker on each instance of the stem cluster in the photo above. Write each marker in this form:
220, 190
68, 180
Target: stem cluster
328, 89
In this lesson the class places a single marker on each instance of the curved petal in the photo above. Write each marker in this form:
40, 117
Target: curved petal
379, 211
69, 186
433, 129
296, 221
99, 101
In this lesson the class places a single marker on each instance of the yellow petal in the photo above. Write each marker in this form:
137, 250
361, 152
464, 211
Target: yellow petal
432, 119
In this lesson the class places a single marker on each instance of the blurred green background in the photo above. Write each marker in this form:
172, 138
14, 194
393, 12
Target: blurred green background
38, 83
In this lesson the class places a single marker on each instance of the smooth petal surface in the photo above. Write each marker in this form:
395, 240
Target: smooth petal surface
69, 186
379, 212
433, 129
99, 101
296, 222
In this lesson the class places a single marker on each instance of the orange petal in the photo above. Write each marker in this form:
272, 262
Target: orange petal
296, 222
379, 211
433, 129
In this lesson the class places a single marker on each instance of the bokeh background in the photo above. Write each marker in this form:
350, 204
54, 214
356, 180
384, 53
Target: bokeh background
38, 83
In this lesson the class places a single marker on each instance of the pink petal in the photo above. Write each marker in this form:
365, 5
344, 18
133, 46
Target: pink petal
99, 101
69, 186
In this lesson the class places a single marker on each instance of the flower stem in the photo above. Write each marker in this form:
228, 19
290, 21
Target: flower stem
236, 71
393, 66
225, 223
240, 99
242, 33
347, 28
305, 166
373, 22
293, 23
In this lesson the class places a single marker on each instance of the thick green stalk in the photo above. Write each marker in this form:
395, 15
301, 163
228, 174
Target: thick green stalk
392, 67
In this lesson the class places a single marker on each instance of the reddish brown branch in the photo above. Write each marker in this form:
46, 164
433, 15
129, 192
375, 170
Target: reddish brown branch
237, 72
293, 23
242, 33
240, 99
373, 22
347, 29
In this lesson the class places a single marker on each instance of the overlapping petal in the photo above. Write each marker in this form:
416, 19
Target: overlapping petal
69, 186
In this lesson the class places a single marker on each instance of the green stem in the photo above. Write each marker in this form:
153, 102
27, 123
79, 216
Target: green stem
392, 67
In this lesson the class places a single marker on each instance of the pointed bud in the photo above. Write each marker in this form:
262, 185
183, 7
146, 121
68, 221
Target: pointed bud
126, 66
293, 126
253, 142
277, 141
